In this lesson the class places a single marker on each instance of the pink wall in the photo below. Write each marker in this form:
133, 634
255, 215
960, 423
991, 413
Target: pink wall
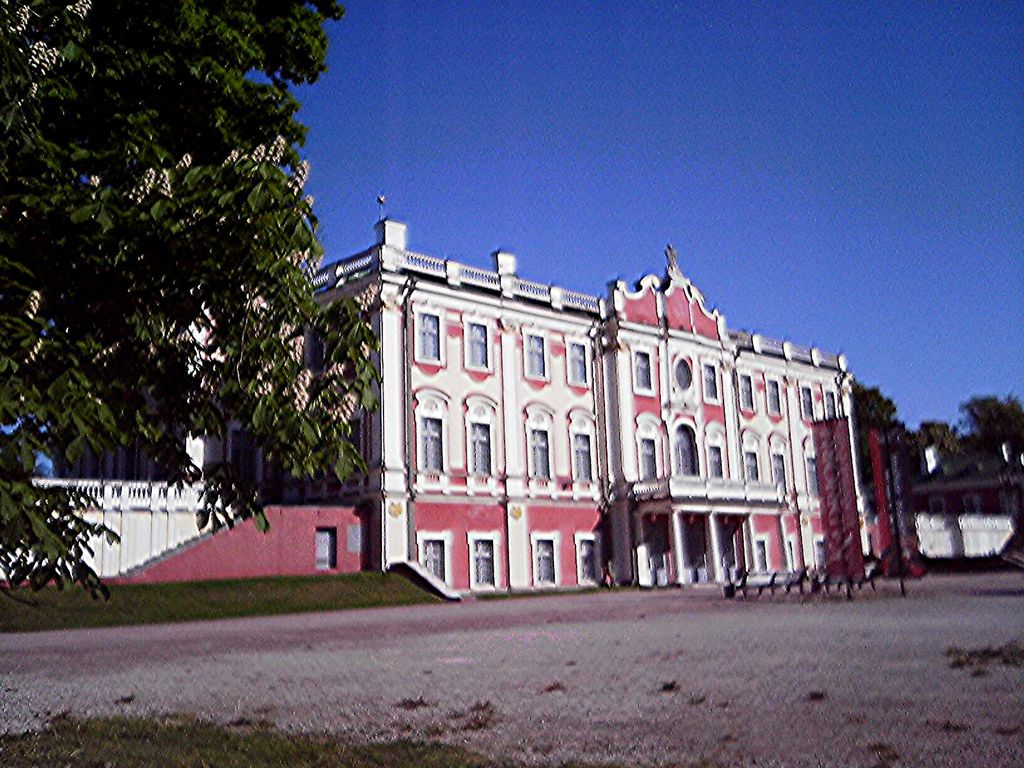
567, 521
460, 519
287, 549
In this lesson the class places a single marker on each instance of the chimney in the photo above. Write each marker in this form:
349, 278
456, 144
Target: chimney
504, 263
391, 233
931, 459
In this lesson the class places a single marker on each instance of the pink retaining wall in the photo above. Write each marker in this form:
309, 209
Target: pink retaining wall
287, 549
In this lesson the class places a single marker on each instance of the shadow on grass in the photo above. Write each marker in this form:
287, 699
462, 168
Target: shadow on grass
51, 608
180, 742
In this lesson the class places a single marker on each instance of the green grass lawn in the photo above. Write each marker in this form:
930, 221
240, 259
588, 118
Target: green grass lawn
153, 603
180, 742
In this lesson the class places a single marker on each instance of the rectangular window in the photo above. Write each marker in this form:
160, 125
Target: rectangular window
710, 382
806, 403
478, 357
433, 557
648, 459
746, 393
433, 458
536, 357
972, 504
790, 555
326, 548
588, 562
812, 475
779, 470
354, 543
430, 338
774, 399
761, 555
750, 466
830, 405
715, 465
483, 562
480, 438
540, 453
577, 364
642, 371
937, 505
582, 458
545, 561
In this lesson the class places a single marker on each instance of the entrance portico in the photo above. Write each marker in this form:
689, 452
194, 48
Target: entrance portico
685, 538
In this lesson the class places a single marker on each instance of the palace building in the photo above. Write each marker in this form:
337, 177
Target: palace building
532, 437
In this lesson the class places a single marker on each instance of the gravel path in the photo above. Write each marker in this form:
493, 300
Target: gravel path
644, 676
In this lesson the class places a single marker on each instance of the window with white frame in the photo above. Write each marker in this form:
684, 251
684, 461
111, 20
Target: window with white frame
710, 382
577, 364
434, 558
790, 554
642, 381
819, 552
779, 470
972, 504
483, 548
429, 341
806, 403
477, 347
683, 374
774, 398
545, 570
536, 357
830, 405
583, 462
761, 555
812, 475
750, 466
746, 392
716, 466
648, 458
480, 449
587, 564
540, 455
431, 448
937, 505
685, 454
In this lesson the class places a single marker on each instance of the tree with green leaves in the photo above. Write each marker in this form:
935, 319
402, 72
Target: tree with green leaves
872, 410
155, 252
936, 434
990, 421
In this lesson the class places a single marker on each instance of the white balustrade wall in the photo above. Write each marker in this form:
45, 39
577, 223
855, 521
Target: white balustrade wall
150, 517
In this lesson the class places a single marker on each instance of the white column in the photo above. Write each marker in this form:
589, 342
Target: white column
734, 452
680, 545
748, 544
643, 555
784, 565
394, 407
716, 547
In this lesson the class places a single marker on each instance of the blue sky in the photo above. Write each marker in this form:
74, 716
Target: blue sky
841, 174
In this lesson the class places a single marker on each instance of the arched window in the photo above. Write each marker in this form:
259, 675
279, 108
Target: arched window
686, 452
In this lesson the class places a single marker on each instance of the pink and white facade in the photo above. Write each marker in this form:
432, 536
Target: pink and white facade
529, 436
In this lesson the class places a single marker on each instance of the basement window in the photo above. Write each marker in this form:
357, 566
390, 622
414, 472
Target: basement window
326, 548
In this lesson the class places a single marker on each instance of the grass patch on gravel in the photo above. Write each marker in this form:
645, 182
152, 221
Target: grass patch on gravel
181, 742
1010, 655
51, 608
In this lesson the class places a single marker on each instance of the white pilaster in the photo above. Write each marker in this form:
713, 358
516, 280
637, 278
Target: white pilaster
716, 547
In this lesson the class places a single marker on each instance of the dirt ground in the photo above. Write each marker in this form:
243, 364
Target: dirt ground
647, 677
